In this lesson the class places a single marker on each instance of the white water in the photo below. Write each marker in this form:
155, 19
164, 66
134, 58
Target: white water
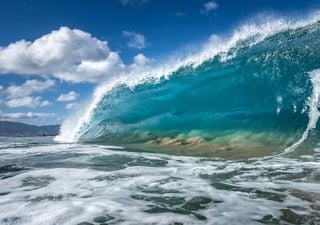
71, 183
133, 75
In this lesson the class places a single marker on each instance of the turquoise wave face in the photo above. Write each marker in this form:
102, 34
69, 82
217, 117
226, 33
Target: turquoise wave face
255, 101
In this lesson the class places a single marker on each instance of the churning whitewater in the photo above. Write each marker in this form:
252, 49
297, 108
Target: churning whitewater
84, 184
253, 93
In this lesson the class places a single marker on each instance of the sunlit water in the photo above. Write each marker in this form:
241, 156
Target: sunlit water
46, 183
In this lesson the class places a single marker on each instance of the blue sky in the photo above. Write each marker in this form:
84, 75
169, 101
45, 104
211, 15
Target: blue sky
54, 53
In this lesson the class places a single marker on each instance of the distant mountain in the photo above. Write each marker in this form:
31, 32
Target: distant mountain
15, 129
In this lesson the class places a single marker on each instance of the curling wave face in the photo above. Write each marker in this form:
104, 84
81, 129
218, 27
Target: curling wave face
256, 92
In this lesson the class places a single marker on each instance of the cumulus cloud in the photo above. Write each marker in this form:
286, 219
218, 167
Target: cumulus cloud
141, 60
67, 54
133, 3
72, 105
28, 88
27, 101
71, 96
16, 96
209, 6
27, 115
136, 40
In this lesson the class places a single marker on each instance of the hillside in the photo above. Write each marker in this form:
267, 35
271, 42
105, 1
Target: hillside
16, 129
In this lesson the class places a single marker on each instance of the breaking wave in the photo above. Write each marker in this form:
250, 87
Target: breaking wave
257, 89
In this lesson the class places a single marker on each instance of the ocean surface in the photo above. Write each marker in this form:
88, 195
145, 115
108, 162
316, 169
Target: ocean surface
42, 182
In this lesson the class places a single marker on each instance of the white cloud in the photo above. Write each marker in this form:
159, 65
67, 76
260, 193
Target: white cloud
27, 101
27, 115
133, 3
209, 6
16, 96
71, 96
71, 105
136, 40
28, 88
141, 60
67, 54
